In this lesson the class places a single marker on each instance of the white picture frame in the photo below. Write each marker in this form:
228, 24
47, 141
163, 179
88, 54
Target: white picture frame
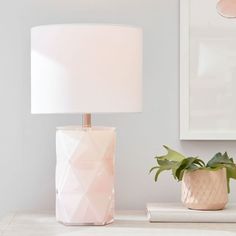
221, 129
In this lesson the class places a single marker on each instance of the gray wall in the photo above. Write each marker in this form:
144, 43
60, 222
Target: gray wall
27, 151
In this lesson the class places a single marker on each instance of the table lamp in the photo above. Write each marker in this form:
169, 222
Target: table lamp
85, 68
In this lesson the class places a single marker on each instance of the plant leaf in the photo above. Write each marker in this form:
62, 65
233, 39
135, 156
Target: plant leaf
199, 162
190, 163
163, 166
158, 172
185, 164
178, 164
153, 168
219, 159
231, 173
171, 155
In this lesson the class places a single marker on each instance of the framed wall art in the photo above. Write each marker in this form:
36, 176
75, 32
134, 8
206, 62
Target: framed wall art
207, 70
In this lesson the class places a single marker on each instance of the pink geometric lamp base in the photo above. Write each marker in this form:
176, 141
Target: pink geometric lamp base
85, 175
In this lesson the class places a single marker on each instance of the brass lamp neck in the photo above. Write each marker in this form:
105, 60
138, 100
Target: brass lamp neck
86, 120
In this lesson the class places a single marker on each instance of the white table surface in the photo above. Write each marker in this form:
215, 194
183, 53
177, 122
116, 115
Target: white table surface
126, 223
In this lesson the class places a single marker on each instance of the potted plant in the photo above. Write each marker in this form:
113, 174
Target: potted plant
204, 186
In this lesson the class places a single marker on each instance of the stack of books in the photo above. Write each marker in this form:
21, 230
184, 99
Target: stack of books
174, 212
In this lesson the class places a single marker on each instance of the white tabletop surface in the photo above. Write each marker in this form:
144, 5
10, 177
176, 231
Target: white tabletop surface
126, 223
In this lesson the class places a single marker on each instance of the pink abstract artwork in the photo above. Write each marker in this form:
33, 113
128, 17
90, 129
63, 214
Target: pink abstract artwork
227, 8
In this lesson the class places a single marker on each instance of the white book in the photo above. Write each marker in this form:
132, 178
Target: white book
175, 212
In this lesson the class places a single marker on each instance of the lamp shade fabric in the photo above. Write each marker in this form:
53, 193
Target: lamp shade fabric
79, 68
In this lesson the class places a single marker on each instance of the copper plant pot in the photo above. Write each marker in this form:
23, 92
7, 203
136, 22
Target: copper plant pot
205, 189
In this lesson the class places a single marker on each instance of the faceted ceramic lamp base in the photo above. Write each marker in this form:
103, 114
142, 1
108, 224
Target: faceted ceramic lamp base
85, 175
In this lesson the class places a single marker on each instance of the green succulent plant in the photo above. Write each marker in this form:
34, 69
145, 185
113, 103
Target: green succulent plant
177, 163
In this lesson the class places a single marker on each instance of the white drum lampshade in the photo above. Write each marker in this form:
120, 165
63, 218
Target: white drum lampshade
83, 68
86, 69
